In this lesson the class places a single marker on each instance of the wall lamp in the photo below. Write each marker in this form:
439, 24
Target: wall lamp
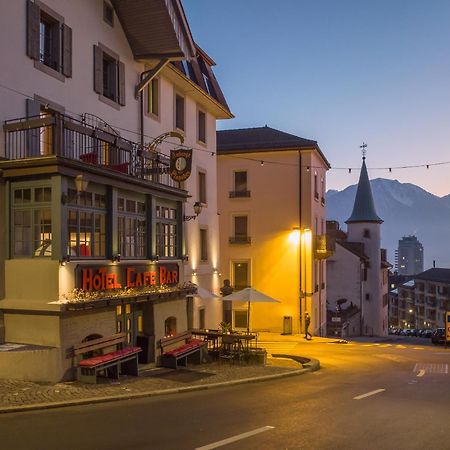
116, 258
81, 184
197, 209
64, 260
154, 257
185, 258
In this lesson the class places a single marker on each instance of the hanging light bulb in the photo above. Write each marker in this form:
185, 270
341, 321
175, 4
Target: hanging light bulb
262, 163
349, 170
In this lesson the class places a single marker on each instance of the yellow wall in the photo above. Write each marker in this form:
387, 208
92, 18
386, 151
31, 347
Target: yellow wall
273, 211
32, 329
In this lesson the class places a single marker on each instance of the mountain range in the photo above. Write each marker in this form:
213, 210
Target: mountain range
406, 209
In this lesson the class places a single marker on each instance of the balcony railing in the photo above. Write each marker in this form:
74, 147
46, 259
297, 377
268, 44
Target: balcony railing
239, 194
64, 136
240, 240
323, 248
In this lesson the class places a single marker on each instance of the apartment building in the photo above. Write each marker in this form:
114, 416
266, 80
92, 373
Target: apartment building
271, 191
101, 231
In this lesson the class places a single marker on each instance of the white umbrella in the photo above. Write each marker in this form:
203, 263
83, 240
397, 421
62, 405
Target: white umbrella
204, 293
249, 295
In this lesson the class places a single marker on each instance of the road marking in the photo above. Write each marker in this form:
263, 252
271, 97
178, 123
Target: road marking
238, 437
400, 346
386, 345
421, 373
418, 348
368, 394
431, 368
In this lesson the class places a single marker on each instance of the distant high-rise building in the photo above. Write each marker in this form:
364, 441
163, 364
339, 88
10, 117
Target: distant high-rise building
409, 257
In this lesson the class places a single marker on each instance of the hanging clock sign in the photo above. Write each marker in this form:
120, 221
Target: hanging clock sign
180, 164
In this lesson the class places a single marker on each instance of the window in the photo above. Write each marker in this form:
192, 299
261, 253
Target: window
108, 14
240, 226
86, 224
153, 97
170, 326
179, 112
203, 244
201, 126
202, 187
32, 222
201, 318
166, 231
109, 76
366, 233
131, 228
316, 191
49, 40
239, 185
240, 318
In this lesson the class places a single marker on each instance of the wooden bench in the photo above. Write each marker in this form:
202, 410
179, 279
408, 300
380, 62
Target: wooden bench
123, 360
191, 350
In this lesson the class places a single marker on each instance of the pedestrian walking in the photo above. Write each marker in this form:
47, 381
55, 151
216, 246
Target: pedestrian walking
307, 323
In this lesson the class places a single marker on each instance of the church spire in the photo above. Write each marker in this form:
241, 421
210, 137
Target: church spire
364, 207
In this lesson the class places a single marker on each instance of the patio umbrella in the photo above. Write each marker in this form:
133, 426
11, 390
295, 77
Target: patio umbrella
204, 293
249, 295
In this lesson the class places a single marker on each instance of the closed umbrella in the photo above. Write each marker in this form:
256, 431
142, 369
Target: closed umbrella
249, 295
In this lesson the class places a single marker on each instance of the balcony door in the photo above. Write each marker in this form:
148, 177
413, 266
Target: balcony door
241, 274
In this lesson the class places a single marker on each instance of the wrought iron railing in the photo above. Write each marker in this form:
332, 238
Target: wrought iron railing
239, 194
67, 137
240, 240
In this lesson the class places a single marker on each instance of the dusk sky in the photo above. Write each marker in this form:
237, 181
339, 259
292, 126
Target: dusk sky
340, 72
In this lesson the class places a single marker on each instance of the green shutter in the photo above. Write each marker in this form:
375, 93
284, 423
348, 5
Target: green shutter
33, 23
121, 83
98, 70
67, 50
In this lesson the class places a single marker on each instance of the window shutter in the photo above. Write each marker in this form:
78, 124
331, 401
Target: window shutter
67, 50
33, 22
33, 138
98, 70
121, 83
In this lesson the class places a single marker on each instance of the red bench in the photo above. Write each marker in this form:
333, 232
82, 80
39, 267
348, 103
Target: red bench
121, 361
191, 350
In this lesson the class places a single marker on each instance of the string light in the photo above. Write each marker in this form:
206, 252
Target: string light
262, 162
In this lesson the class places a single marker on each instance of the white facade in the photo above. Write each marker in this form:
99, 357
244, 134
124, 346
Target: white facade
29, 87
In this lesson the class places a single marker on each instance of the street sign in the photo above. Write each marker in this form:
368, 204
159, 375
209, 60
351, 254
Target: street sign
447, 326
338, 319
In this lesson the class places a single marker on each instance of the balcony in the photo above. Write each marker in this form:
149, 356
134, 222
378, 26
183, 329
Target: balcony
240, 240
69, 138
323, 248
239, 194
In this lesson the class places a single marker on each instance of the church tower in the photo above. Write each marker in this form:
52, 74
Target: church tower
364, 225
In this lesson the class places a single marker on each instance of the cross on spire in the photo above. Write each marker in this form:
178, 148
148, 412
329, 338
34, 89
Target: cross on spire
363, 149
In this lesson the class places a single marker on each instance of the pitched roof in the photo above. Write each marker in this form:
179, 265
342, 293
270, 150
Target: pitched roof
435, 274
262, 139
357, 248
364, 207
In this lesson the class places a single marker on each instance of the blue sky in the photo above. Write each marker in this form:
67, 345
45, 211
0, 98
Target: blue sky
340, 72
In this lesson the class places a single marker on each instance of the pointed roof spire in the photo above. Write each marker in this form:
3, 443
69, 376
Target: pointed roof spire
364, 207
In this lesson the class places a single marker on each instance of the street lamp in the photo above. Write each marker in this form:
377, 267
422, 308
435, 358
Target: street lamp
197, 209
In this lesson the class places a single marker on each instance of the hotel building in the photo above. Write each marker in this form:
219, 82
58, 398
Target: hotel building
97, 236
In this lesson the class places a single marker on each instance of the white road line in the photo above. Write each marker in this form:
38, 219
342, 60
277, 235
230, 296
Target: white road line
368, 394
418, 348
421, 373
238, 437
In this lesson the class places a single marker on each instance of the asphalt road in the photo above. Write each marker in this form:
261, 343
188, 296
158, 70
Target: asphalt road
387, 396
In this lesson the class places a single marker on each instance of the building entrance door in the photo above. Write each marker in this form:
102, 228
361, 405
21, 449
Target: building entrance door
241, 278
129, 320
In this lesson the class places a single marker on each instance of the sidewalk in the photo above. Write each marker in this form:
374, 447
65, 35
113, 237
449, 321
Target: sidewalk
18, 396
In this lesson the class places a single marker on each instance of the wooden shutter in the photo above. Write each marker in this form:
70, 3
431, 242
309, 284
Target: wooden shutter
33, 23
98, 70
67, 50
121, 66
33, 135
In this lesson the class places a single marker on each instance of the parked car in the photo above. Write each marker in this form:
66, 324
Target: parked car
427, 333
438, 336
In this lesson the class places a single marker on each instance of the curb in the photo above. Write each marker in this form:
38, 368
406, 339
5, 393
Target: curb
310, 366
